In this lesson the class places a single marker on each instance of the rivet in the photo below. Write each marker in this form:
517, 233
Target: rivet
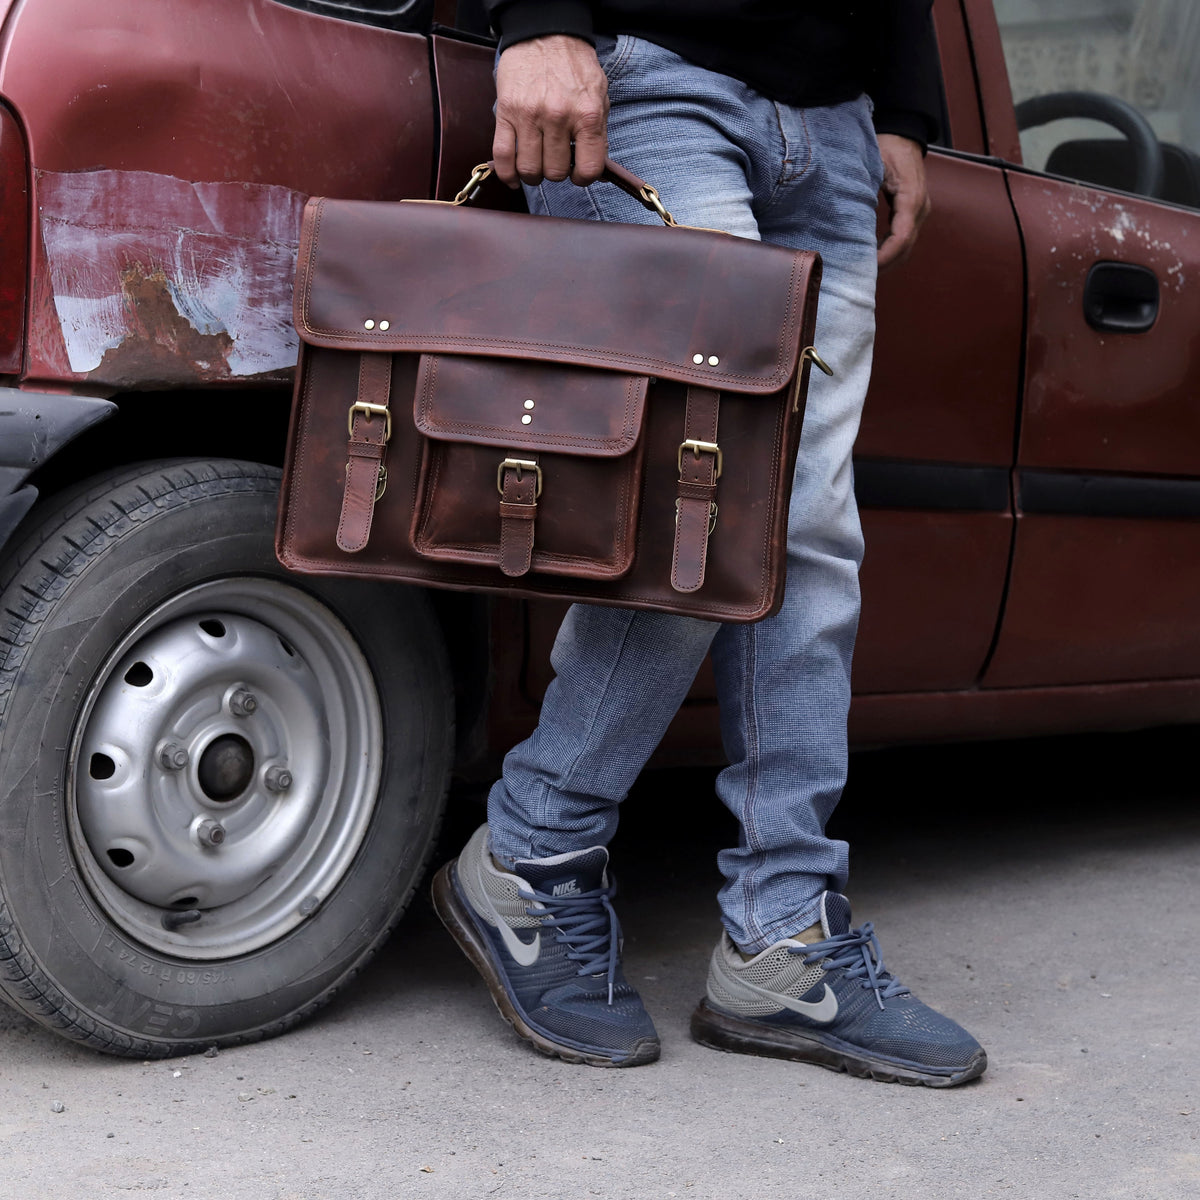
526, 419
368, 324
528, 403
385, 324
697, 359
713, 360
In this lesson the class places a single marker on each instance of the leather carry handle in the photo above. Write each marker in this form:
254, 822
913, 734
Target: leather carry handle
644, 193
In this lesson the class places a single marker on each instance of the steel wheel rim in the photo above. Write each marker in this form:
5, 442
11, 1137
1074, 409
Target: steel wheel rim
178, 793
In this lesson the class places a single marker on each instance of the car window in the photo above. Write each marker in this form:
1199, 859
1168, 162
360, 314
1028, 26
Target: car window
1108, 91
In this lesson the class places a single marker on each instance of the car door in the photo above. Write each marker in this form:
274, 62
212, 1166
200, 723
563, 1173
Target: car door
1105, 580
935, 449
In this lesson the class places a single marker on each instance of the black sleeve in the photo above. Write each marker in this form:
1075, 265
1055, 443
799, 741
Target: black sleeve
520, 20
907, 89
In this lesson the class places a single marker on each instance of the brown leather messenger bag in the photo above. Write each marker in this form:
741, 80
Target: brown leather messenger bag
500, 402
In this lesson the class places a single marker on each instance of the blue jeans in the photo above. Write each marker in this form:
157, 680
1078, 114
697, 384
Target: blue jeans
724, 157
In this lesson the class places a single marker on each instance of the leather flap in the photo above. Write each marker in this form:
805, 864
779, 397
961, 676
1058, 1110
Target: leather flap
682, 304
569, 410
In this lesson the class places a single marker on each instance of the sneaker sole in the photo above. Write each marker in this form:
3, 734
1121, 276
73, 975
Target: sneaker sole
456, 916
720, 1031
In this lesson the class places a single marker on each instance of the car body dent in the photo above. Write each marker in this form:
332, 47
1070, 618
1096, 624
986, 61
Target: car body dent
156, 281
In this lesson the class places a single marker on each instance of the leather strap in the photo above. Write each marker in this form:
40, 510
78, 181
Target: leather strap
645, 194
518, 511
695, 506
369, 430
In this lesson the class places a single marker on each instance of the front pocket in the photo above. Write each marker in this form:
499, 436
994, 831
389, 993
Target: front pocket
528, 466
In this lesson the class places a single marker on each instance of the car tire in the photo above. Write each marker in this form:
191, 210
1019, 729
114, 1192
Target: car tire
203, 831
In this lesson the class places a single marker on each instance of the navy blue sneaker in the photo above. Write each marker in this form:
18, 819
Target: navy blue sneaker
561, 989
832, 1002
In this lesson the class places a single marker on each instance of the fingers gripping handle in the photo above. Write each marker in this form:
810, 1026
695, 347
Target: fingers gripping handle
642, 192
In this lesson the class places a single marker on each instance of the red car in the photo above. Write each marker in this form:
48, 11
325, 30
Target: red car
204, 830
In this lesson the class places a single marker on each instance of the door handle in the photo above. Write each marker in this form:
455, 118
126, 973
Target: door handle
1120, 298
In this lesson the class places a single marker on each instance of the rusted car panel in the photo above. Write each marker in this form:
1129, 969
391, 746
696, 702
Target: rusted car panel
153, 282
173, 147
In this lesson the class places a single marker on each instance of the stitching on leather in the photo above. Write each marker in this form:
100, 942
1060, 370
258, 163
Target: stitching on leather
409, 573
629, 431
775, 380
289, 523
428, 343
491, 557
422, 343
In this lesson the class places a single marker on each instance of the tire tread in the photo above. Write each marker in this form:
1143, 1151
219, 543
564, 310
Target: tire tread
79, 523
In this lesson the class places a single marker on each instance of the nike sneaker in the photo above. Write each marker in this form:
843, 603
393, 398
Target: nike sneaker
831, 1002
546, 940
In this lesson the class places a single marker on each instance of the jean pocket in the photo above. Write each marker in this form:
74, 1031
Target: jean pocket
614, 54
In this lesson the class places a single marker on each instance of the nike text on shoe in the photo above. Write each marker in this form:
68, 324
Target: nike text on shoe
547, 943
832, 1003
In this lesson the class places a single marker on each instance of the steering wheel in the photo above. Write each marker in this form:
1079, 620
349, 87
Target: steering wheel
1149, 169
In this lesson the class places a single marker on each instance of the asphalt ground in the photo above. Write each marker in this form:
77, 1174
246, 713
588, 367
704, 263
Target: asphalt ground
1043, 893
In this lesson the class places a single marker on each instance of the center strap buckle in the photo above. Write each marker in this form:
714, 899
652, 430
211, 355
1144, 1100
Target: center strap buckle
369, 411
519, 465
698, 448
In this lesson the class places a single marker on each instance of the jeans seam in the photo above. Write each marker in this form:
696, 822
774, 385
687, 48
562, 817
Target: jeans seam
620, 59
785, 176
566, 776
750, 736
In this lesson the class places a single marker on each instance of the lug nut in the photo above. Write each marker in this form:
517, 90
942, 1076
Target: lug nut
210, 832
242, 703
278, 779
172, 757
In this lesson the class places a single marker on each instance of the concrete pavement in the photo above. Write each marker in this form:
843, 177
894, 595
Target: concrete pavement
1045, 894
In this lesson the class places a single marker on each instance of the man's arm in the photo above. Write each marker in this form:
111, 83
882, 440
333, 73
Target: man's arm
550, 93
907, 102
907, 195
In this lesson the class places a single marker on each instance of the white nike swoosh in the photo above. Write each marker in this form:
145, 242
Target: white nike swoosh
525, 953
823, 1010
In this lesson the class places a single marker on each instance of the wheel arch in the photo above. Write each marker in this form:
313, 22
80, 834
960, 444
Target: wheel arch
249, 424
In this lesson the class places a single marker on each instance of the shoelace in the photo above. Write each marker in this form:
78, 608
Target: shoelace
857, 953
587, 924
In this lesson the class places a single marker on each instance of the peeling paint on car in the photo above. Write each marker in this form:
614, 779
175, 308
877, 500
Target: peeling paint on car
160, 281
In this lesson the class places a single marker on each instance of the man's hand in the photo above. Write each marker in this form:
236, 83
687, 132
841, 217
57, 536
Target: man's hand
907, 196
550, 92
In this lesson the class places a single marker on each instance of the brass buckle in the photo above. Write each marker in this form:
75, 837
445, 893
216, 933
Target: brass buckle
810, 352
380, 481
712, 515
698, 448
651, 199
372, 410
478, 175
519, 465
